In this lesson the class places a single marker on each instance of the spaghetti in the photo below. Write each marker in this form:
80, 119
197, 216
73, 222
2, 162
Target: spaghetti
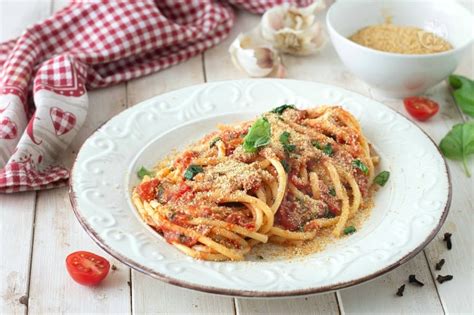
282, 178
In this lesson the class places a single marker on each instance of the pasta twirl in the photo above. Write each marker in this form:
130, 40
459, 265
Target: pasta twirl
281, 178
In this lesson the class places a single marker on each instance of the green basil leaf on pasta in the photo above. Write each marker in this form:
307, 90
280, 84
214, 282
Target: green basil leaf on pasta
382, 178
286, 166
285, 142
328, 150
360, 165
214, 141
192, 171
349, 230
280, 109
316, 144
142, 172
258, 136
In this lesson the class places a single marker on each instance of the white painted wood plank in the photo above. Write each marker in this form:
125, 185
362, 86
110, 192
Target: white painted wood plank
179, 76
17, 211
59, 4
16, 227
378, 296
320, 304
151, 295
459, 260
17, 15
456, 295
58, 234
156, 297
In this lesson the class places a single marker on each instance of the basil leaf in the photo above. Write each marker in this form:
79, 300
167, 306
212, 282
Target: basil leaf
258, 136
328, 214
286, 143
261, 142
382, 178
280, 109
142, 172
328, 149
285, 165
214, 141
285, 135
159, 194
458, 144
349, 230
358, 164
463, 93
316, 144
332, 192
192, 171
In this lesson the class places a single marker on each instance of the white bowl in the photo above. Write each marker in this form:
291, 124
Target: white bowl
393, 74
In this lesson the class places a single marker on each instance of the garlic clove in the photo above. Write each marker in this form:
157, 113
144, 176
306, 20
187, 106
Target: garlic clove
281, 72
294, 30
252, 55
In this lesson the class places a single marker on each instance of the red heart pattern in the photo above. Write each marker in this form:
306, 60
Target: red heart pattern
63, 121
8, 129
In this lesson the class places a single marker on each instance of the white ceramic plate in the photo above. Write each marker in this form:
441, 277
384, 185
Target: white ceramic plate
408, 211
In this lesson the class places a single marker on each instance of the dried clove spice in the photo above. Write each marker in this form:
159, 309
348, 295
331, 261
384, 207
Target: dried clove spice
440, 264
447, 239
23, 300
401, 290
413, 279
442, 279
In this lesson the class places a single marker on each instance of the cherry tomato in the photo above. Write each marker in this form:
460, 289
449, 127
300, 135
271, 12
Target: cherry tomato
420, 108
146, 190
87, 268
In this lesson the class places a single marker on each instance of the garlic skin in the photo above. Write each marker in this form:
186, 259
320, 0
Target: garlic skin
293, 30
251, 54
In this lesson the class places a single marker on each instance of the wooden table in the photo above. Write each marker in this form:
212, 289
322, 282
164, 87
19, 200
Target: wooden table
38, 229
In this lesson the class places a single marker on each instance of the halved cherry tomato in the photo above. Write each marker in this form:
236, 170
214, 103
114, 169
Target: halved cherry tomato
146, 190
420, 108
87, 268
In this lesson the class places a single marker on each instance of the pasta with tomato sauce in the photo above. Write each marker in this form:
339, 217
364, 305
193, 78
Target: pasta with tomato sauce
281, 178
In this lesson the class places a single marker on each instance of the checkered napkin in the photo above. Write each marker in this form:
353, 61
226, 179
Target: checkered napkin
46, 72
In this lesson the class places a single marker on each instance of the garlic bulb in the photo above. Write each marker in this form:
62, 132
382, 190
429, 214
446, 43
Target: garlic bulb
251, 54
293, 30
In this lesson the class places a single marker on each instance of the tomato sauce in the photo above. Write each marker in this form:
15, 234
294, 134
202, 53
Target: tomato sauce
239, 218
147, 190
185, 159
176, 237
291, 215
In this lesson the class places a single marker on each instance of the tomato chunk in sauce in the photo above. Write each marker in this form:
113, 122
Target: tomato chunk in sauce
176, 237
147, 190
293, 213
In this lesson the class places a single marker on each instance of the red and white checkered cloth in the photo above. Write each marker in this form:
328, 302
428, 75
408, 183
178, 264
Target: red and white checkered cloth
45, 73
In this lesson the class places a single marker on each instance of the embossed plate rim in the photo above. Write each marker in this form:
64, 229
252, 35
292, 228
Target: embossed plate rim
260, 293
